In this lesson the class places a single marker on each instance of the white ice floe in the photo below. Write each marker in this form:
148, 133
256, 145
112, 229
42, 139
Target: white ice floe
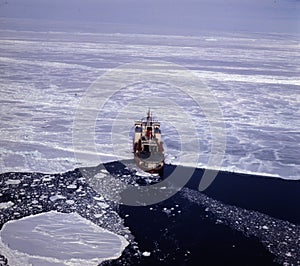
13, 182
5, 205
57, 197
100, 198
98, 215
55, 238
47, 178
146, 253
72, 186
103, 205
70, 202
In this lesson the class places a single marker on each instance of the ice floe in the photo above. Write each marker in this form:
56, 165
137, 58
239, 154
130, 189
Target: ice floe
58, 238
4, 205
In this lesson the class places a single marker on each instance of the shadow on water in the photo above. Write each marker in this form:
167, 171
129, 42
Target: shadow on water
273, 196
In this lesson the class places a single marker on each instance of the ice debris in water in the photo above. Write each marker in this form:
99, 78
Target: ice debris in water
68, 192
281, 238
146, 253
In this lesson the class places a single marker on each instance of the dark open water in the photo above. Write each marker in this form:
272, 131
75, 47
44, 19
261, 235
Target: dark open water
180, 232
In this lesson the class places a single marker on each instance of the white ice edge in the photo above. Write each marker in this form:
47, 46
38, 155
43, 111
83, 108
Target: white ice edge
110, 158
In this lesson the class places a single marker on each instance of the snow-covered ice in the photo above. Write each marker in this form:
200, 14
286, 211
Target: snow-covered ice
254, 77
54, 238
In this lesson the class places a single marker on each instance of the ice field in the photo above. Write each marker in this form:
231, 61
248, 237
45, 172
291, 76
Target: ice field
254, 78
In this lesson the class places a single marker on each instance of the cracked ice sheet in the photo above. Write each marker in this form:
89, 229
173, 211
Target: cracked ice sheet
254, 77
55, 238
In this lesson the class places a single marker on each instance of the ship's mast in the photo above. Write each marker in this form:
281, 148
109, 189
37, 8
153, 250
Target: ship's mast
148, 117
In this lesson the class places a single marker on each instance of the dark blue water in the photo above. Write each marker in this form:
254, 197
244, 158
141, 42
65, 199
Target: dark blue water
189, 238
186, 235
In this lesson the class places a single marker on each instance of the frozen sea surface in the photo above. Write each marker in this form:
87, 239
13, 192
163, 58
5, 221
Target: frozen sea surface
254, 77
54, 238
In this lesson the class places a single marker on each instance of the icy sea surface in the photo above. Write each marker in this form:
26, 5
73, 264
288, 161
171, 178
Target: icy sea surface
254, 77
